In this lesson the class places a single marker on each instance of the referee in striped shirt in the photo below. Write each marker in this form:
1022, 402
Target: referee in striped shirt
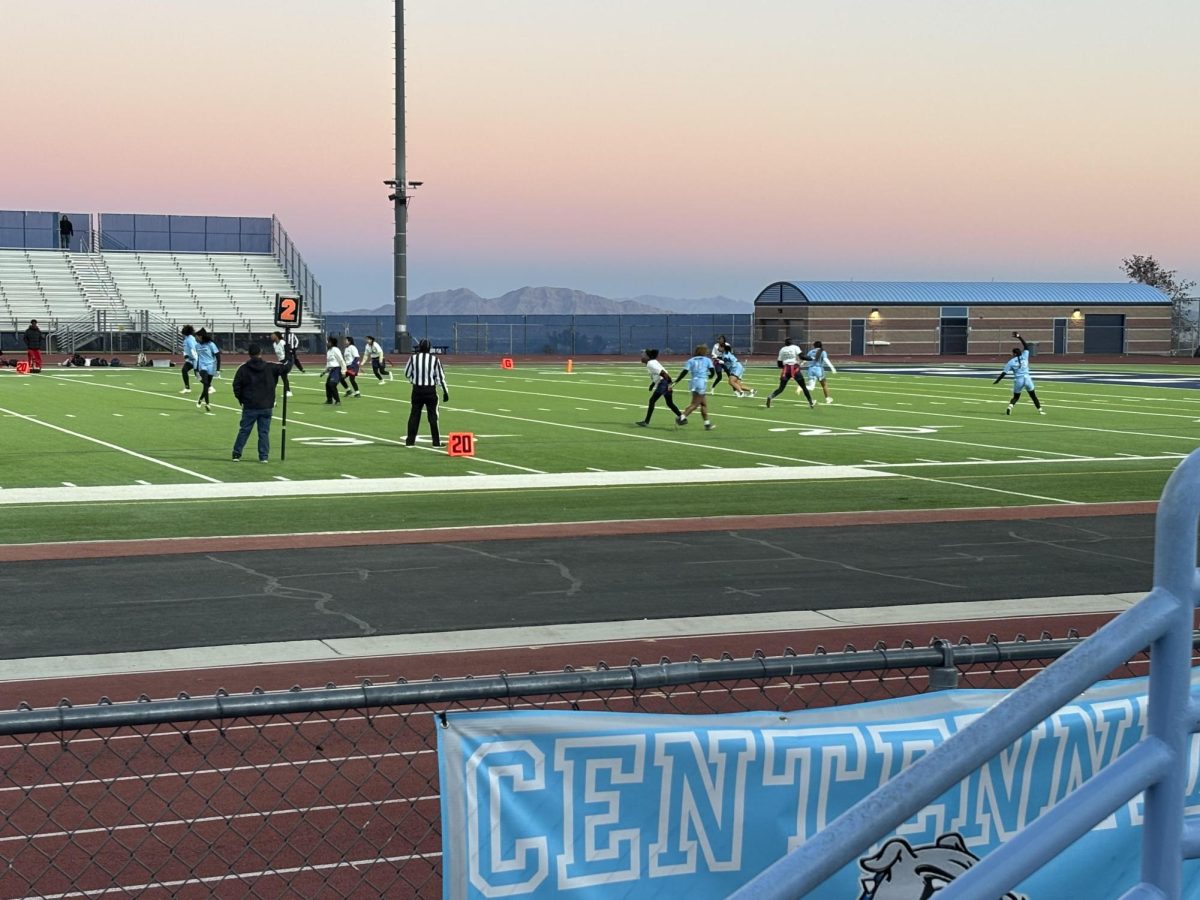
424, 370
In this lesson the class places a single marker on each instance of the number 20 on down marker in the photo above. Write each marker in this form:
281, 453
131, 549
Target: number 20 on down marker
462, 443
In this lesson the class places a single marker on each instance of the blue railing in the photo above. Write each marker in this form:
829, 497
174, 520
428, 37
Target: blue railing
1157, 765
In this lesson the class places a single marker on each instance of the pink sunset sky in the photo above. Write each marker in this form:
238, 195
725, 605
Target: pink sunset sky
625, 147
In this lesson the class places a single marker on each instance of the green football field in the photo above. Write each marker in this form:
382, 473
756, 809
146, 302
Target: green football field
120, 453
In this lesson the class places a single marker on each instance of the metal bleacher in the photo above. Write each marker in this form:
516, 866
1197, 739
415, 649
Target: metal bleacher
38, 284
230, 291
225, 291
147, 274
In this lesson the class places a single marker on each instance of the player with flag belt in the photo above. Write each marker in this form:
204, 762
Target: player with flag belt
789, 360
818, 362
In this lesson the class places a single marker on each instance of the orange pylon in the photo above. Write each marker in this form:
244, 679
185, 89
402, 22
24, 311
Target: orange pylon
570, 365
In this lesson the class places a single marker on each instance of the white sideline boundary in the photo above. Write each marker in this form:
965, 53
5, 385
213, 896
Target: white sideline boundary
441, 484
811, 622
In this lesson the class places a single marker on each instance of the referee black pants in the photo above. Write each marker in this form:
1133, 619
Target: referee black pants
423, 398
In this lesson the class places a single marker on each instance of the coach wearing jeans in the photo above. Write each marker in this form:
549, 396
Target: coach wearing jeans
254, 387
424, 370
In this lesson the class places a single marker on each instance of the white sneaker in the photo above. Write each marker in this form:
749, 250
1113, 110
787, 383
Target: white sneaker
187, 390
753, 392
211, 390
828, 400
1041, 412
812, 386
288, 394
358, 393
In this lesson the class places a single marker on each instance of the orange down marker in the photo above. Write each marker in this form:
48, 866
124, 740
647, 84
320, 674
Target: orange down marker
461, 443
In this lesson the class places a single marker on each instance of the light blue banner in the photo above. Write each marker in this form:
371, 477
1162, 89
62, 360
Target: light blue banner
591, 804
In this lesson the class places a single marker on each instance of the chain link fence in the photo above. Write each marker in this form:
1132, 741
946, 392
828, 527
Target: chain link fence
334, 792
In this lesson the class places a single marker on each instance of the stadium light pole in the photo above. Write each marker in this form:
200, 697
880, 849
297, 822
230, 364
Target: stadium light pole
400, 199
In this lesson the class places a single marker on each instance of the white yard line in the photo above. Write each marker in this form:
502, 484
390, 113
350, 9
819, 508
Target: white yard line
641, 434
1051, 404
117, 447
871, 464
815, 424
994, 490
434, 484
306, 424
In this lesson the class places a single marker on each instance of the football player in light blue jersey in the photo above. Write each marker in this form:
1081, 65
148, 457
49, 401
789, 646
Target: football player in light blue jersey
735, 369
818, 362
1018, 368
206, 365
189, 356
697, 370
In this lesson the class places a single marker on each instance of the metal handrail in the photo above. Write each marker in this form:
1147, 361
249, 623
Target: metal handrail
938, 657
1158, 764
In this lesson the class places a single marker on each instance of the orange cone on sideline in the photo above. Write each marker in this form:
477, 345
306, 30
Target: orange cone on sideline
570, 365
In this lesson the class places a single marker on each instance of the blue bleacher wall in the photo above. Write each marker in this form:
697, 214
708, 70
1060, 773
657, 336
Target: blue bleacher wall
185, 234
38, 229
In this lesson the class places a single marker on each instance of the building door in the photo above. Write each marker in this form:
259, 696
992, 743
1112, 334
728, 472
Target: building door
1060, 337
1104, 333
954, 336
858, 337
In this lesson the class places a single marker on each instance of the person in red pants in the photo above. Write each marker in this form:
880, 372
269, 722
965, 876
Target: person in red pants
33, 346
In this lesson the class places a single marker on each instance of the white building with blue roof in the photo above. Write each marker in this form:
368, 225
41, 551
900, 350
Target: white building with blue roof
964, 318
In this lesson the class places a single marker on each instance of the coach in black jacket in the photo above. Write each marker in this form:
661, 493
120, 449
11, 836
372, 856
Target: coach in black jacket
254, 387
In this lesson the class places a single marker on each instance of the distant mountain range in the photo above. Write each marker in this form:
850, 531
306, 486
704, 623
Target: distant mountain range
551, 301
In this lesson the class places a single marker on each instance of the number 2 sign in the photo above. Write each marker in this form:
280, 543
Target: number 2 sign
288, 311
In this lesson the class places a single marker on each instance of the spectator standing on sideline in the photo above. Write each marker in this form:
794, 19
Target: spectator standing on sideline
660, 386
293, 347
189, 356
279, 345
424, 371
818, 363
335, 371
254, 387
374, 353
1018, 368
353, 363
697, 369
207, 353
65, 232
789, 368
34, 341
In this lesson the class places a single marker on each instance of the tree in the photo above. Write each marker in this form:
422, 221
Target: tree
1148, 270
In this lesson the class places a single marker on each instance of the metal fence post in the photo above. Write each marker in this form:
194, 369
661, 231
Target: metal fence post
945, 676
